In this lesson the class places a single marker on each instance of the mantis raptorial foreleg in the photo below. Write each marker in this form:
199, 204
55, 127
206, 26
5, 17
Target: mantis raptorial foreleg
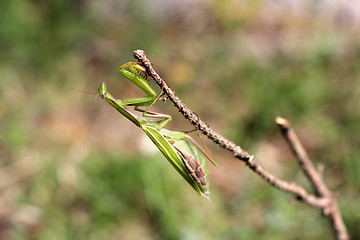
137, 74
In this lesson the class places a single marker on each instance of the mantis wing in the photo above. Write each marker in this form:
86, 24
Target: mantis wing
171, 155
195, 163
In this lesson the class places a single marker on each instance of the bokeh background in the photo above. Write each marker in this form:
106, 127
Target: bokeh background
73, 168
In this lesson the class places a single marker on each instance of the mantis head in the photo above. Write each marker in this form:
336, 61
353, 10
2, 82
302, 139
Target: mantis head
102, 90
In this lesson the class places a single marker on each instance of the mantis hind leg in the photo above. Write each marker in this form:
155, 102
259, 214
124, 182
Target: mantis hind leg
161, 123
207, 152
151, 104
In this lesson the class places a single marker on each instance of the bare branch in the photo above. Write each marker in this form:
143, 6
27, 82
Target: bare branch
302, 157
331, 210
323, 199
292, 188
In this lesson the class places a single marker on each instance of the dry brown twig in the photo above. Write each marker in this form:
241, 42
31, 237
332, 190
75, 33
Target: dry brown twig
322, 198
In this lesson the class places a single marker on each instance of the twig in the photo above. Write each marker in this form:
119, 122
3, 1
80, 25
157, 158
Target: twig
323, 198
305, 163
331, 210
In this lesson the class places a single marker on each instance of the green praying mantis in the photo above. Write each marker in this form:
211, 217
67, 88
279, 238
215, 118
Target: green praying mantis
183, 153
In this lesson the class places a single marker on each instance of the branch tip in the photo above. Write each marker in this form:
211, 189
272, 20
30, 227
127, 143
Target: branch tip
282, 122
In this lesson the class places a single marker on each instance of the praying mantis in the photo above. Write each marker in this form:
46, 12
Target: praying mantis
182, 151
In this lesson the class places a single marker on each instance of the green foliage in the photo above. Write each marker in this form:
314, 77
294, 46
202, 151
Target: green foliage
72, 169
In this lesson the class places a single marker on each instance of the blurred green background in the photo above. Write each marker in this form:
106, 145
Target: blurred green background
73, 168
